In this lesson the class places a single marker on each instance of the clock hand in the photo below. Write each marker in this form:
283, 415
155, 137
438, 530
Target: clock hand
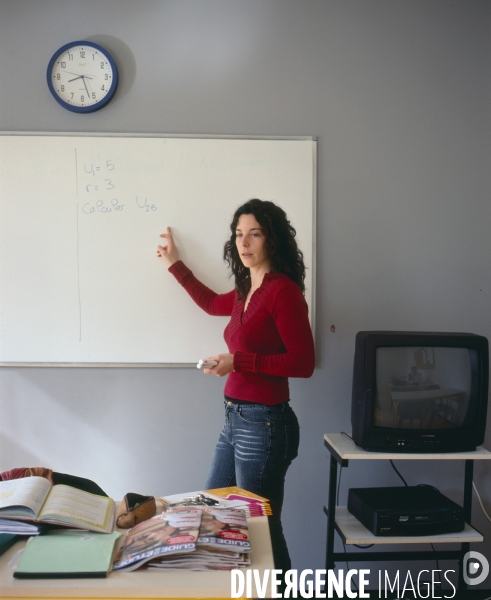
79, 77
88, 94
71, 73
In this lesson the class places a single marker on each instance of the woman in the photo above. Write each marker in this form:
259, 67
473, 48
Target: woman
269, 339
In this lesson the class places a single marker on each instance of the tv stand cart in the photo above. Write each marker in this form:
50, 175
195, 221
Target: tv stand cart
351, 531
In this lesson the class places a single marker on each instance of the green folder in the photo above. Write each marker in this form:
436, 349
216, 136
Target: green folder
67, 554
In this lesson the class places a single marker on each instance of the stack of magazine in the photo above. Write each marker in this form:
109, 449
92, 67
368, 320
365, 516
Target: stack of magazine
196, 538
229, 497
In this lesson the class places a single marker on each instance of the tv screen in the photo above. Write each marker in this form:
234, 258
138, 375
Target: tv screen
425, 387
419, 391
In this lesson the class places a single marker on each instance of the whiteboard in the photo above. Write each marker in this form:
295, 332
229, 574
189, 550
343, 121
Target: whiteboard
81, 214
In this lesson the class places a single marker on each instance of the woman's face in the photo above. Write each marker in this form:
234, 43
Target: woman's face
211, 524
251, 242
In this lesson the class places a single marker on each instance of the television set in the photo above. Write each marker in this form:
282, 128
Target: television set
419, 392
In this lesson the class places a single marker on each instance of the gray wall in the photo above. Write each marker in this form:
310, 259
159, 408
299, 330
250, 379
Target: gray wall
398, 93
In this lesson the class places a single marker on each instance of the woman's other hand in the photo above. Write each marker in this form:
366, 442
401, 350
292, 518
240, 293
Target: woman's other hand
169, 252
224, 367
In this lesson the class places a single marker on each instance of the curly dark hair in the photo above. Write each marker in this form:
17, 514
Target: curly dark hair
282, 251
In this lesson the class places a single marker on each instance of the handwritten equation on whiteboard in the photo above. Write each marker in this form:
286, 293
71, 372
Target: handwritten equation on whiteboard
102, 196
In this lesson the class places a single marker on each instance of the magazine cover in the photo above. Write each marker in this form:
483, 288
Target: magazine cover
254, 505
222, 544
172, 532
225, 528
230, 497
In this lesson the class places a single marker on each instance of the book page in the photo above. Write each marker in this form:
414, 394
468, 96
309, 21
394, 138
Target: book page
29, 492
71, 506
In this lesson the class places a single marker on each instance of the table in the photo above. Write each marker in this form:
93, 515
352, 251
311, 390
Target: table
142, 583
343, 450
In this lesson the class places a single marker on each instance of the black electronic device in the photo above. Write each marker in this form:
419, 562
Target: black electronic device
419, 392
405, 511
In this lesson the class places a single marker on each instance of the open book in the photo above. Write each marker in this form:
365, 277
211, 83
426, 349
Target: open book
34, 499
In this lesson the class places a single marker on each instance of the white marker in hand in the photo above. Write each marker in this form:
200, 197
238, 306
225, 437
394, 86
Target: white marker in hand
206, 364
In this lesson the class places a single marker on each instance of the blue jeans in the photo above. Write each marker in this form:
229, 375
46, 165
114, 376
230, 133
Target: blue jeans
255, 448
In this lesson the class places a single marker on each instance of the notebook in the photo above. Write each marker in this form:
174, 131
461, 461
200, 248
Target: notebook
67, 553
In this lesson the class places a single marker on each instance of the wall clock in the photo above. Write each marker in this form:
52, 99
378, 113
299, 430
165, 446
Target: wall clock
82, 76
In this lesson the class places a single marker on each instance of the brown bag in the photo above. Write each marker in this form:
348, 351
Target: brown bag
134, 509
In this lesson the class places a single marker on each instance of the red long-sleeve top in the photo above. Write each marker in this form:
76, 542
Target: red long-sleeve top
271, 340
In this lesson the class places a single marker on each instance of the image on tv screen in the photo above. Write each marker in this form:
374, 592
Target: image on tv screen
424, 388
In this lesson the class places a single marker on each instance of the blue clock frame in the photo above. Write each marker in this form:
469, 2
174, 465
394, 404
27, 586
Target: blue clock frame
93, 107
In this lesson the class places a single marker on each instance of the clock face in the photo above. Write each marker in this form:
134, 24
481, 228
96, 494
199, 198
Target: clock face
82, 77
